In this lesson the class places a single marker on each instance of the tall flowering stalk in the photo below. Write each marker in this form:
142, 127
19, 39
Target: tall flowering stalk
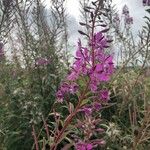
94, 67
146, 2
1, 50
122, 22
127, 18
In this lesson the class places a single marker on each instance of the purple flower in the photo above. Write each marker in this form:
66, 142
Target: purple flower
102, 70
89, 146
42, 61
82, 52
103, 77
59, 96
104, 95
73, 88
93, 87
82, 58
65, 87
128, 20
83, 146
109, 60
146, 2
98, 41
79, 53
109, 65
97, 106
78, 64
87, 110
116, 20
73, 76
125, 10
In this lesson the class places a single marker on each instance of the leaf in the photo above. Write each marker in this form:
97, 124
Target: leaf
103, 25
86, 10
53, 75
109, 41
51, 140
71, 107
105, 30
93, 3
147, 18
88, 7
64, 136
106, 46
85, 101
148, 10
81, 32
84, 24
92, 15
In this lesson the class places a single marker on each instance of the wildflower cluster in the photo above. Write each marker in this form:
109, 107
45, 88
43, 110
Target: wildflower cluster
116, 20
127, 18
146, 2
42, 62
125, 21
94, 67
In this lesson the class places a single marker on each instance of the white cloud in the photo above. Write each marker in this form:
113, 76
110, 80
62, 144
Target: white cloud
73, 8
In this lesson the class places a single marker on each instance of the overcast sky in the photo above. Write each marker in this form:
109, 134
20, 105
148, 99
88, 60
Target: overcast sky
137, 11
135, 6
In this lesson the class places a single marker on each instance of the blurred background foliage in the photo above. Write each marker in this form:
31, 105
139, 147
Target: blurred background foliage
38, 59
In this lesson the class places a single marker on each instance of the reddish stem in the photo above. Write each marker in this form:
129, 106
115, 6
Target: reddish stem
46, 128
35, 138
69, 119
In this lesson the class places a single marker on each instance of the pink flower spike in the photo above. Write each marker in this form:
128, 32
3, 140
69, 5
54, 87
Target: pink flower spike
84, 146
79, 53
72, 76
87, 110
104, 95
103, 77
109, 60
89, 146
125, 10
129, 20
59, 96
73, 88
97, 106
146, 2
65, 87
93, 87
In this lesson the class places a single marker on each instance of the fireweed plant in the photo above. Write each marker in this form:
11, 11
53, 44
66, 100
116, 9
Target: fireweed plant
146, 2
91, 70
